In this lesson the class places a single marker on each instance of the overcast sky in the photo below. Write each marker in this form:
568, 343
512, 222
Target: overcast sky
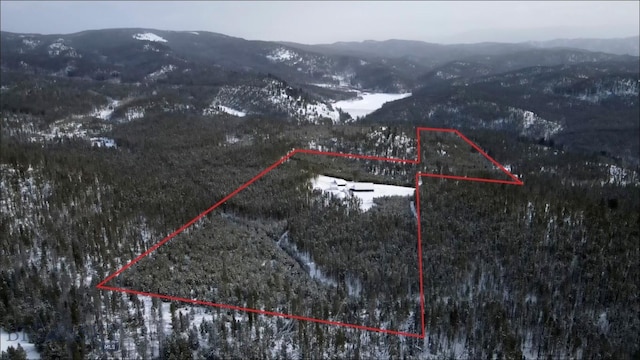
326, 22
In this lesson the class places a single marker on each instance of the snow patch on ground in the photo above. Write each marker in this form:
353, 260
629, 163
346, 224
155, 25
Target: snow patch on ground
30, 43
105, 113
149, 37
59, 48
321, 110
134, 113
620, 176
231, 111
18, 338
216, 108
343, 189
282, 54
231, 139
367, 103
343, 80
601, 91
328, 86
536, 126
160, 73
272, 96
103, 142
149, 47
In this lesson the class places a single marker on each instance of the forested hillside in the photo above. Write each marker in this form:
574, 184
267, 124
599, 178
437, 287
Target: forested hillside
588, 107
96, 170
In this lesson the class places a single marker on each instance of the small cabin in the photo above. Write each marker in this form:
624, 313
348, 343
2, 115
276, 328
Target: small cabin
361, 187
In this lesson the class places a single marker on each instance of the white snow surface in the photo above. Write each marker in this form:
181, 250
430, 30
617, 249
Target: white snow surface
328, 184
134, 113
367, 103
160, 73
231, 111
103, 142
282, 54
149, 37
13, 339
59, 48
106, 112
216, 108
31, 43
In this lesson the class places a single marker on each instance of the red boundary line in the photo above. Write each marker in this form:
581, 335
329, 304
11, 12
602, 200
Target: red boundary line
515, 181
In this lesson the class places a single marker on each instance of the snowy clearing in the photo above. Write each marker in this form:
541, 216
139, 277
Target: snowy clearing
105, 112
149, 37
163, 71
282, 54
231, 111
366, 103
343, 189
13, 339
216, 108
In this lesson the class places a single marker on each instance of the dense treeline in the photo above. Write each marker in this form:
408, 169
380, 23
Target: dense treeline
545, 269
589, 107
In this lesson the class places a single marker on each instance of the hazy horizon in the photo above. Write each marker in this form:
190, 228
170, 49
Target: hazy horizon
329, 22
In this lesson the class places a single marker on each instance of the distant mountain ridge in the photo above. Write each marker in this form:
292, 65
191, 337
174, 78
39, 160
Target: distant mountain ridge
591, 106
446, 52
143, 51
548, 90
621, 46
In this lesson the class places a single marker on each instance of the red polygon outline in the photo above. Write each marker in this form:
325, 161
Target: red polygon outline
514, 181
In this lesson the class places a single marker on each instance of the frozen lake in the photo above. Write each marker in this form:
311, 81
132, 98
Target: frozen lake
366, 103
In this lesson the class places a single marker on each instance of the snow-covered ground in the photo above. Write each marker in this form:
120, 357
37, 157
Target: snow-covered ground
282, 54
31, 43
233, 112
216, 108
105, 113
367, 103
103, 142
13, 339
160, 73
134, 113
149, 37
59, 48
328, 86
232, 139
532, 123
332, 185
620, 176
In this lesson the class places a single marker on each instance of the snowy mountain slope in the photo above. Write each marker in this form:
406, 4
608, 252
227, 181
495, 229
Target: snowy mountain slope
366, 103
275, 97
149, 37
118, 50
591, 106
623, 46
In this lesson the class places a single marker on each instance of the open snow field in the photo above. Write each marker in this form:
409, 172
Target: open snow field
366, 103
341, 189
